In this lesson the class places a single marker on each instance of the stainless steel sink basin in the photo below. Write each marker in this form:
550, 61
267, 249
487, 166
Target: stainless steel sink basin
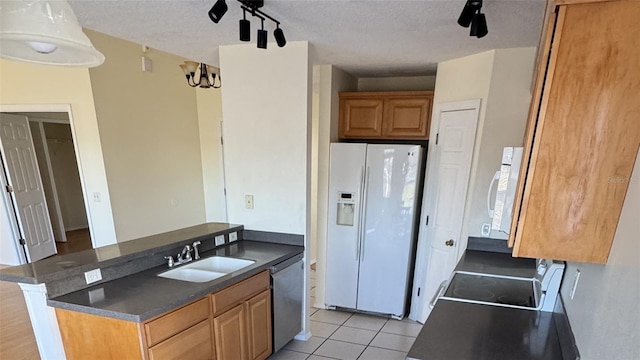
206, 269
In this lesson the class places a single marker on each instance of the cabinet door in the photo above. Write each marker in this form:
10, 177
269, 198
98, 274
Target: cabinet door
230, 334
258, 311
407, 117
194, 343
586, 135
361, 118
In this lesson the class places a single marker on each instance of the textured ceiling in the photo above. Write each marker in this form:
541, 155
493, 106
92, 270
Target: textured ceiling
366, 38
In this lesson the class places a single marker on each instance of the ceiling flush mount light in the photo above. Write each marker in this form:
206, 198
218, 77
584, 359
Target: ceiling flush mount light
207, 77
471, 16
252, 7
45, 32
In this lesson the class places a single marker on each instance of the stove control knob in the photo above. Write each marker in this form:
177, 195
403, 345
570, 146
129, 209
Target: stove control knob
449, 242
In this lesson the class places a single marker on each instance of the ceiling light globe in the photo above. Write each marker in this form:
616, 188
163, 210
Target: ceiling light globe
42, 47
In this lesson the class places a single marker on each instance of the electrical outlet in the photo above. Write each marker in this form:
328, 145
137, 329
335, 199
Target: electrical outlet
248, 201
93, 276
219, 240
572, 293
486, 229
233, 236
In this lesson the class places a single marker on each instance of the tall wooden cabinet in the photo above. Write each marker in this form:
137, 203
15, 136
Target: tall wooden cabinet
583, 133
385, 115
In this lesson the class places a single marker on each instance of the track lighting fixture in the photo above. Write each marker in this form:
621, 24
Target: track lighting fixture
245, 27
471, 16
252, 7
262, 37
207, 77
218, 10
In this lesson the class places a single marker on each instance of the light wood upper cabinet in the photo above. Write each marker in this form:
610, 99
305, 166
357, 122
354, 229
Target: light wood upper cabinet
385, 115
583, 134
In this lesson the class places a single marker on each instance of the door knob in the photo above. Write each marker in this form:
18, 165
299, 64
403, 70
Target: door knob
449, 242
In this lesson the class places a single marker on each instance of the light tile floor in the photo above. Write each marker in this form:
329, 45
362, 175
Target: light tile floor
351, 336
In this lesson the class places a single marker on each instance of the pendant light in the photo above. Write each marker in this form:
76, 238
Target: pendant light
44, 32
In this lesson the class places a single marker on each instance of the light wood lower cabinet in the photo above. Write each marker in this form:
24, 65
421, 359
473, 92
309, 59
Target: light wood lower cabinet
242, 320
233, 323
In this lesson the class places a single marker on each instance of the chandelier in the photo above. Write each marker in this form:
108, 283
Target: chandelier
207, 77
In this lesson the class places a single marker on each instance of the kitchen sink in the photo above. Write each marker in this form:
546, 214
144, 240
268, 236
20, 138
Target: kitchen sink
206, 269
192, 275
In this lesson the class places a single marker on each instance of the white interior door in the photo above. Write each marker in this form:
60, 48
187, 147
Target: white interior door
28, 195
447, 183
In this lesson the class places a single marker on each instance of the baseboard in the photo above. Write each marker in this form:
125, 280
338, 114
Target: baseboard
76, 228
303, 336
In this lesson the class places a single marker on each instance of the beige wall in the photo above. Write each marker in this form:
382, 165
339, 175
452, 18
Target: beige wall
66, 177
149, 132
397, 83
605, 311
209, 124
29, 87
266, 99
506, 110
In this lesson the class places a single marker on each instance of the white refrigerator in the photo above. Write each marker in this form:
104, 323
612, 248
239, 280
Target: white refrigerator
371, 217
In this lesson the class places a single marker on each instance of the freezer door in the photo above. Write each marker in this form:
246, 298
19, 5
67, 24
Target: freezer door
346, 174
391, 182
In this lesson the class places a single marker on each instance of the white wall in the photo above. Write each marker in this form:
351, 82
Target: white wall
209, 103
506, 109
62, 89
267, 126
150, 139
404, 83
331, 81
605, 311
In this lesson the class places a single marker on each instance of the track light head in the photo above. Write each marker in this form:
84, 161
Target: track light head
218, 10
245, 27
278, 34
479, 26
469, 10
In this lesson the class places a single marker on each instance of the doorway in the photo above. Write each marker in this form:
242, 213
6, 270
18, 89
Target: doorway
52, 145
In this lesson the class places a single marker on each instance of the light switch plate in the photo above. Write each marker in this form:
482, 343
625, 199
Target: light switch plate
219, 240
486, 229
93, 276
233, 236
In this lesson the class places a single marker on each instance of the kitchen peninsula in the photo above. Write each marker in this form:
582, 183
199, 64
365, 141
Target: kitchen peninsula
130, 294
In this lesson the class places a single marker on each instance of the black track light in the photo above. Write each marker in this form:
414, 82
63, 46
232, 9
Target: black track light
469, 10
279, 35
479, 25
262, 37
245, 27
218, 10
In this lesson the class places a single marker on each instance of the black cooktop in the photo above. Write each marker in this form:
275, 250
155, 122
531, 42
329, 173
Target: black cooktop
492, 289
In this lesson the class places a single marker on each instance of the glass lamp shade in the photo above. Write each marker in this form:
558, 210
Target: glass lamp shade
192, 66
44, 32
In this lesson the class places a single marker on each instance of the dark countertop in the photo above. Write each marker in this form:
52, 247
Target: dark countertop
61, 267
143, 295
463, 331
458, 330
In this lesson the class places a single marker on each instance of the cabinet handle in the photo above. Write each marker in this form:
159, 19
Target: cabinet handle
449, 242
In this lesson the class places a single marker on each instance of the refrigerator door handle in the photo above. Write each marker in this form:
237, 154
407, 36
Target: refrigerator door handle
359, 234
363, 213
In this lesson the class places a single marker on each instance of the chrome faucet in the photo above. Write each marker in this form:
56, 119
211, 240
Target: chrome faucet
184, 256
196, 252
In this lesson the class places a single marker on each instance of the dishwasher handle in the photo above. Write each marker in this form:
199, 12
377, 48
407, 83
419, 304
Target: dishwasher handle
285, 264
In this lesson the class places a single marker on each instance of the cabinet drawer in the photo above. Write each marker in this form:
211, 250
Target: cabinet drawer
170, 324
194, 343
235, 294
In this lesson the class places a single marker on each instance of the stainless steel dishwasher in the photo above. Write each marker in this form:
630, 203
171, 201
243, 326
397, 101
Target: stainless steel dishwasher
287, 284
